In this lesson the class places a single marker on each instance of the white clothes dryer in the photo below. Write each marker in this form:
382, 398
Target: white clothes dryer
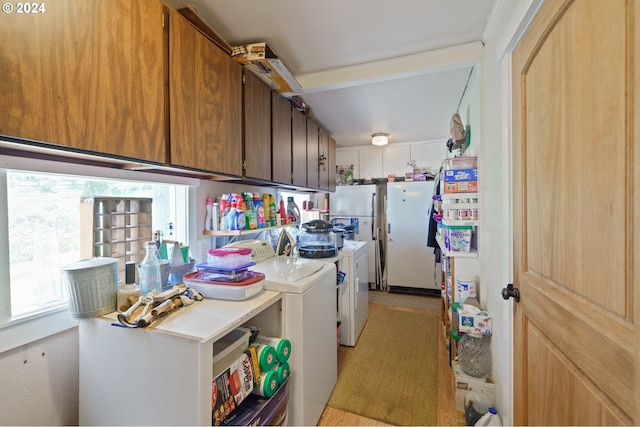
309, 311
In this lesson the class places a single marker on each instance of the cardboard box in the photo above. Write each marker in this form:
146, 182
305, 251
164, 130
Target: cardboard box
462, 384
262, 61
479, 322
461, 181
231, 387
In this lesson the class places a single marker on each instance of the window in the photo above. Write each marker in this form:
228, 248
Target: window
40, 226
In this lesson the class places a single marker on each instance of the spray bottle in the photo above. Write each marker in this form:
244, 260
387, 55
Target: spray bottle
224, 212
208, 219
241, 218
231, 214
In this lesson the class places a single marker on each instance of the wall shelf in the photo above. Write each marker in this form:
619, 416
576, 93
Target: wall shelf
244, 232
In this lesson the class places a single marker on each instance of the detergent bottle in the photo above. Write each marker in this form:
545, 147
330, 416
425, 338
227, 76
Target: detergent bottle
250, 212
224, 212
241, 218
267, 211
260, 211
272, 210
293, 213
231, 215
282, 212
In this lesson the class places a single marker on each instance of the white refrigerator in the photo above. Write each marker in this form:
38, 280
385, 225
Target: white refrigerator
363, 206
410, 262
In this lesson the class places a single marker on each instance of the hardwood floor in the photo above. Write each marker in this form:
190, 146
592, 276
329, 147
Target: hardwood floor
336, 417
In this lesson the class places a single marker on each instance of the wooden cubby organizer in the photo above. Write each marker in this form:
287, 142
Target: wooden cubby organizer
115, 227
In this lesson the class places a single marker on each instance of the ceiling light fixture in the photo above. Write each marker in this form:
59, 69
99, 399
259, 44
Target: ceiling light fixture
380, 138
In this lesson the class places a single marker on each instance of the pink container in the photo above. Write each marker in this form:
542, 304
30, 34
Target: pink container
229, 257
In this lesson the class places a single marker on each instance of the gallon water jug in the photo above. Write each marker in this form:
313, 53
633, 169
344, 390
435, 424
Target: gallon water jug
491, 418
476, 404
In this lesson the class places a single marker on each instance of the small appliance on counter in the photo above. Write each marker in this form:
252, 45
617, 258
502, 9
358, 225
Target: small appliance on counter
317, 240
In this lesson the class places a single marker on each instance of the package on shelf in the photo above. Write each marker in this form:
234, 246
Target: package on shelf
258, 410
457, 238
461, 181
262, 61
231, 387
462, 384
470, 319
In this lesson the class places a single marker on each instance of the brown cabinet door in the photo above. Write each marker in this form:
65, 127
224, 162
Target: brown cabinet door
323, 159
205, 93
86, 75
312, 155
299, 145
281, 139
332, 164
257, 128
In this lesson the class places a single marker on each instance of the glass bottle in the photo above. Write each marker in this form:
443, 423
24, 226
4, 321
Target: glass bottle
474, 355
149, 270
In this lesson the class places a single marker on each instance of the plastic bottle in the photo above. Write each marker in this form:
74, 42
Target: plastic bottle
208, 219
476, 404
261, 214
231, 215
241, 219
224, 211
293, 213
282, 211
491, 418
149, 270
250, 212
272, 210
215, 221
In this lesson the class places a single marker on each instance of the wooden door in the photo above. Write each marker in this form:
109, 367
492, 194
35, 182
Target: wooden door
86, 75
281, 139
313, 171
205, 93
299, 146
576, 178
257, 128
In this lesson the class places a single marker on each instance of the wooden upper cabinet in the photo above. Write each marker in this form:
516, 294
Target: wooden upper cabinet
299, 147
86, 75
205, 98
257, 128
332, 164
312, 155
281, 139
323, 159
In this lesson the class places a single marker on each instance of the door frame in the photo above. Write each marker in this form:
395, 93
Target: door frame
518, 23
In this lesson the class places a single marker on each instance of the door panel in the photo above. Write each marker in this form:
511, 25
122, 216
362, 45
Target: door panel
573, 215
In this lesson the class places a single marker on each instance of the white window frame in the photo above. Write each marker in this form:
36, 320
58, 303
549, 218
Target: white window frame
15, 332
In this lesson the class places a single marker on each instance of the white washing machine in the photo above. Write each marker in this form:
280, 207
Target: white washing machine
309, 322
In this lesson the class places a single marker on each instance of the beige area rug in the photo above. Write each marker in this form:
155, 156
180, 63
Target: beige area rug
392, 373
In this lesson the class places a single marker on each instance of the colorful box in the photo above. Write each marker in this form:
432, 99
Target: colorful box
462, 384
479, 322
461, 181
262, 61
231, 387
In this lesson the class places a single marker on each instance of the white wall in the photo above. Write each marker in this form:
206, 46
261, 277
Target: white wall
39, 382
494, 165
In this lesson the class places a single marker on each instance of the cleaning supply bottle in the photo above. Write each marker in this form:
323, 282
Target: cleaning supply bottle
241, 218
215, 221
272, 210
231, 214
282, 212
260, 211
250, 212
491, 418
267, 212
208, 219
293, 213
224, 211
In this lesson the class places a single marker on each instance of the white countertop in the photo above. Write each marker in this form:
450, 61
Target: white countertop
350, 247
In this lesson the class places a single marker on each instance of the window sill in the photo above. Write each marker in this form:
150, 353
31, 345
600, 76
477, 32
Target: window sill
16, 333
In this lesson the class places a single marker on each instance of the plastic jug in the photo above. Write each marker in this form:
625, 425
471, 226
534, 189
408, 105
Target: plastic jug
476, 404
293, 213
491, 418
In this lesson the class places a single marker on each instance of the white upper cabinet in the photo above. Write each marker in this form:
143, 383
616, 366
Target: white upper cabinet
395, 160
371, 163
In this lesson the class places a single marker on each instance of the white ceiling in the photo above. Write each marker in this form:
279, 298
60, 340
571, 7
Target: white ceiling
366, 66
